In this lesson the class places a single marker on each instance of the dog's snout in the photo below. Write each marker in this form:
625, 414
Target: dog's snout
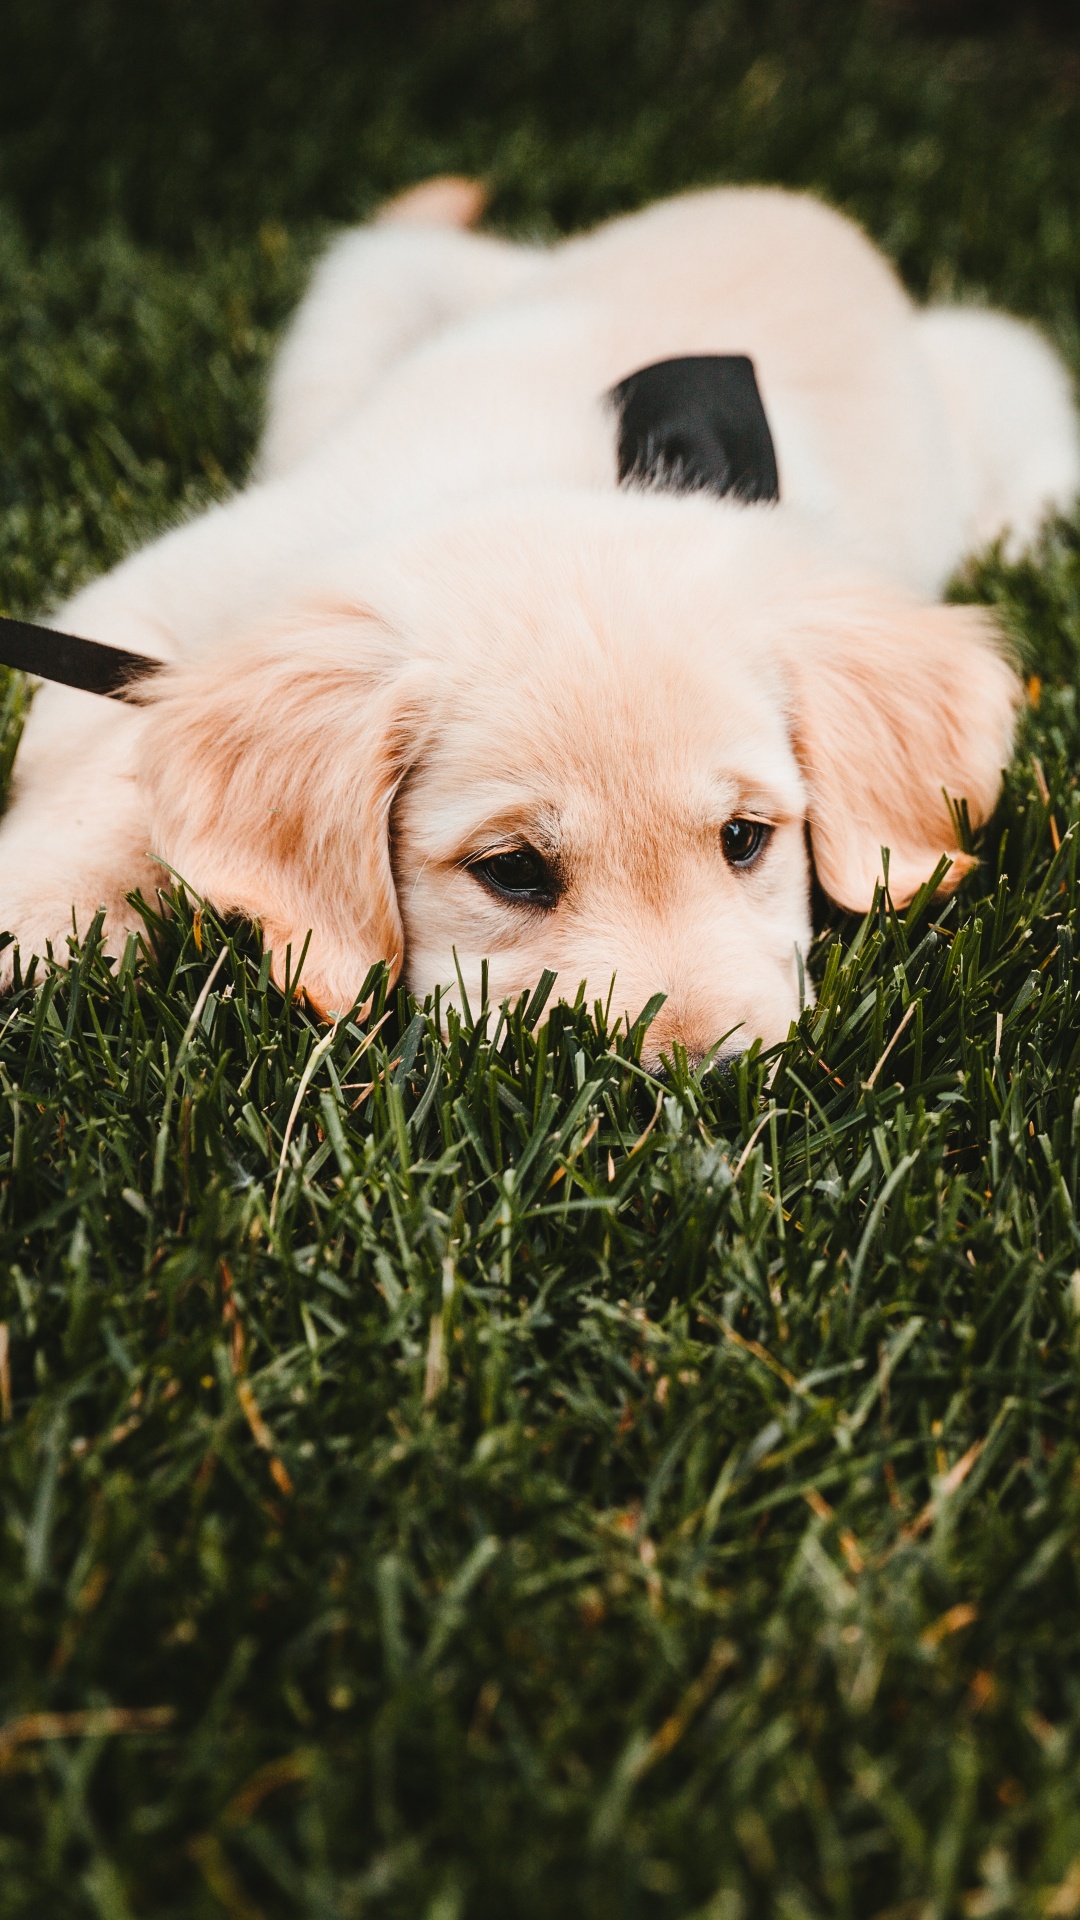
698, 1033
691, 1023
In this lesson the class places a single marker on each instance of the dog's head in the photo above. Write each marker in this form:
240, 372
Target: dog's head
586, 734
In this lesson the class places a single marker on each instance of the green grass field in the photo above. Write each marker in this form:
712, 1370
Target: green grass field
446, 1475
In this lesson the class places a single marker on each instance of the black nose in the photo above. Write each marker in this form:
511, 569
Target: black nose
720, 1065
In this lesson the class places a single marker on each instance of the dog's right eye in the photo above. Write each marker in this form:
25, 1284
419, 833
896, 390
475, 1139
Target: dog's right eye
521, 874
743, 841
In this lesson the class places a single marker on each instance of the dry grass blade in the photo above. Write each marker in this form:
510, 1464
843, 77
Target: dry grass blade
667, 1736
318, 1052
92, 1723
751, 1143
945, 1488
262, 1436
908, 1016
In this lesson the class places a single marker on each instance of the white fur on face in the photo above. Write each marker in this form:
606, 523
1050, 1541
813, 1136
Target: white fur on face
620, 765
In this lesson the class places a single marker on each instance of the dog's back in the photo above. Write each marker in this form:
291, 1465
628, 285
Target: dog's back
501, 376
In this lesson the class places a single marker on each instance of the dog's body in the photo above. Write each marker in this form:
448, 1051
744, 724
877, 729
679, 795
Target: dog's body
432, 634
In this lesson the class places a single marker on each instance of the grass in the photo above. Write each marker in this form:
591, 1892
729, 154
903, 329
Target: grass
448, 1474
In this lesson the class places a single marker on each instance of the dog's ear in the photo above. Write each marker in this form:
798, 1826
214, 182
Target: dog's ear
897, 705
270, 779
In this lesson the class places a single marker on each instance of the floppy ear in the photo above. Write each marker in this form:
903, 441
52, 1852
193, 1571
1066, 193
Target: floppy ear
270, 779
896, 705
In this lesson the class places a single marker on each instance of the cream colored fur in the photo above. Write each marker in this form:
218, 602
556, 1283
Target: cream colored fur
432, 629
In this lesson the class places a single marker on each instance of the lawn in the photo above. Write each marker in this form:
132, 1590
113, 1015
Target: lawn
446, 1474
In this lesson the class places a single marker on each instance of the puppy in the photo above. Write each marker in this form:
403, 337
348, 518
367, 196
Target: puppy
440, 691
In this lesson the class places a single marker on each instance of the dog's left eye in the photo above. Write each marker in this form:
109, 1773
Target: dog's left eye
521, 874
743, 841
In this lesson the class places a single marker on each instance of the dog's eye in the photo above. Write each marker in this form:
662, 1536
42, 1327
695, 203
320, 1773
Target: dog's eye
744, 841
521, 874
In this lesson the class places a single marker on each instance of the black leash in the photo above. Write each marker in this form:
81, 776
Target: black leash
85, 664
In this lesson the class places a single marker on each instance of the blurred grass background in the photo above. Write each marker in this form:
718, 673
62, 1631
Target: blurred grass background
454, 1476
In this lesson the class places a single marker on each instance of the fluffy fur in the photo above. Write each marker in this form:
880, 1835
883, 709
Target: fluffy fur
432, 630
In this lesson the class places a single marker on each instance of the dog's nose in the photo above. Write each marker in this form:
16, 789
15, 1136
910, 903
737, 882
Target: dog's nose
719, 1064
722, 1063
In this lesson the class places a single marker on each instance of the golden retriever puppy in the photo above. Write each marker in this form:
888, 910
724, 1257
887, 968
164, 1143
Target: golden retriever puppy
441, 690
585, 733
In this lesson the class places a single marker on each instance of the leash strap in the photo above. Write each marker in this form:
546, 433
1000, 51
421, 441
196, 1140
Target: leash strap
73, 662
